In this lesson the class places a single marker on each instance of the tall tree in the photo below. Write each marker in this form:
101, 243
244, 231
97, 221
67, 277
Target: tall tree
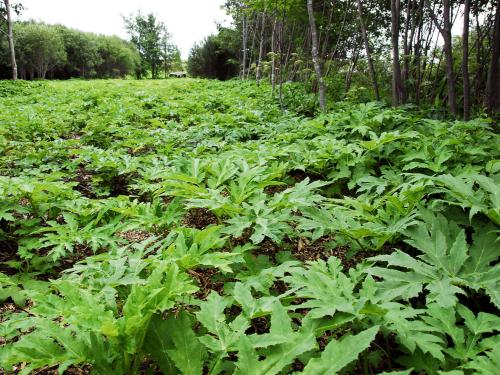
315, 58
445, 30
10, 38
273, 56
397, 92
170, 55
261, 48
244, 45
465, 60
492, 100
366, 42
410, 23
146, 33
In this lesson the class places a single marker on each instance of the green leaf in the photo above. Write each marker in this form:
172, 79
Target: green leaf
158, 342
188, 352
486, 364
338, 354
484, 249
248, 360
280, 332
284, 354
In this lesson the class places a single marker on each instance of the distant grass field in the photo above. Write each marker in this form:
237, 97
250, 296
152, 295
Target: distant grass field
191, 226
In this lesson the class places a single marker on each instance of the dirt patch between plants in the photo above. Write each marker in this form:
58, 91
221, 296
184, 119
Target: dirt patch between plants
199, 218
134, 235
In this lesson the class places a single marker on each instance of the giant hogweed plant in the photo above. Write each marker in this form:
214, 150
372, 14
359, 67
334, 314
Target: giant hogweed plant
332, 299
87, 168
447, 266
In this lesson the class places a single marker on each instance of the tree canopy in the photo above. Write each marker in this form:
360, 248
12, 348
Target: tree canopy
55, 51
152, 40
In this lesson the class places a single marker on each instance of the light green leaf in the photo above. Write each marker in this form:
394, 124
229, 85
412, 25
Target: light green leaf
339, 354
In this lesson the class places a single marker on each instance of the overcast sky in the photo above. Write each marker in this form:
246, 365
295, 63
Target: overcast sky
188, 21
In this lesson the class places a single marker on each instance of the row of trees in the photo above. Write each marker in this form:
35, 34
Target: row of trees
36, 50
403, 50
55, 51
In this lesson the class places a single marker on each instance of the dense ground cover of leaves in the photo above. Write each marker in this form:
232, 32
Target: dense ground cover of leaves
191, 227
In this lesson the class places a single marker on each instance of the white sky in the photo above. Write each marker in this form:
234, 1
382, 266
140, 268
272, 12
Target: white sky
188, 21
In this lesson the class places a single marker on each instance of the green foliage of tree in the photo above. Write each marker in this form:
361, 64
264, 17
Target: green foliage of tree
354, 47
55, 51
170, 56
82, 51
40, 49
118, 58
216, 56
151, 38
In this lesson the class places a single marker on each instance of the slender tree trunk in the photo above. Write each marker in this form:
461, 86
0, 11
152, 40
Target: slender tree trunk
407, 42
326, 40
465, 61
417, 54
261, 48
396, 65
281, 61
423, 69
290, 33
482, 59
10, 37
434, 68
321, 29
337, 43
371, 67
317, 66
445, 31
480, 69
350, 72
273, 57
244, 52
252, 48
492, 100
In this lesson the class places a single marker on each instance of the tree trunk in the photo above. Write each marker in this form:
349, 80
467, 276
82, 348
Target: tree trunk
340, 33
317, 66
407, 42
426, 61
273, 57
396, 65
10, 37
350, 72
465, 61
252, 47
367, 50
261, 48
417, 54
280, 49
445, 31
479, 64
244, 57
492, 100
325, 43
